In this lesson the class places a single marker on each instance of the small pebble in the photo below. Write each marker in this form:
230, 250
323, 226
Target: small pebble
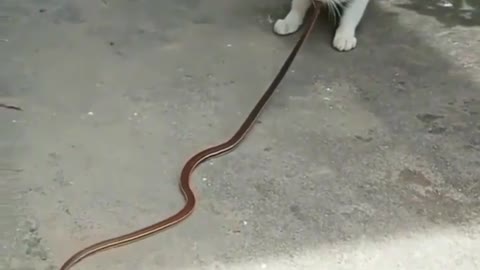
204, 179
90, 113
264, 266
245, 222
229, 45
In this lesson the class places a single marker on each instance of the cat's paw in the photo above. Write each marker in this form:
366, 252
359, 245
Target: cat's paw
344, 40
287, 26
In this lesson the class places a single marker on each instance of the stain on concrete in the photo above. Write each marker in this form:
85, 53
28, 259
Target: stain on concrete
431, 123
428, 118
363, 139
297, 212
32, 241
267, 149
366, 138
472, 107
68, 13
414, 177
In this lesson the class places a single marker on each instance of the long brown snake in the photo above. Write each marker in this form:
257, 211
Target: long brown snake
196, 160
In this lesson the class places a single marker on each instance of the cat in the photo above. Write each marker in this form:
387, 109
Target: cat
345, 38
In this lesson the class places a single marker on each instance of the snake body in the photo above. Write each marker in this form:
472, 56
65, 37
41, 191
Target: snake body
193, 163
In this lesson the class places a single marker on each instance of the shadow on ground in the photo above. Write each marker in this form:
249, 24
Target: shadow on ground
378, 142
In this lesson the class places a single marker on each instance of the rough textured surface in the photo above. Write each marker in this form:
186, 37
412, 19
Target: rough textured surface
363, 160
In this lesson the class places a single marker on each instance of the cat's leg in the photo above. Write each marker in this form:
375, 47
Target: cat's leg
294, 19
345, 39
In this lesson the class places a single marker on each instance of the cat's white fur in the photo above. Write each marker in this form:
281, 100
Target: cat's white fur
344, 39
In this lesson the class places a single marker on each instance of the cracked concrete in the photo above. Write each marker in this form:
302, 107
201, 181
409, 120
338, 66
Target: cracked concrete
362, 160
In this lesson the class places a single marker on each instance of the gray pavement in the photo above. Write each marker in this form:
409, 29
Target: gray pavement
362, 160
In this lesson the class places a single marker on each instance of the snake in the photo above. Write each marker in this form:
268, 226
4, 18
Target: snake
195, 161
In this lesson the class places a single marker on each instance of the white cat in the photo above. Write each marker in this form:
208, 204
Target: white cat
344, 39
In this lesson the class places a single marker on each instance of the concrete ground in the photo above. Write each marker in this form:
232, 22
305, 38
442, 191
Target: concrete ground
362, 160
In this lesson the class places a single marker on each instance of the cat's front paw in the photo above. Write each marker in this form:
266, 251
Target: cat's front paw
344, 40
286, 26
